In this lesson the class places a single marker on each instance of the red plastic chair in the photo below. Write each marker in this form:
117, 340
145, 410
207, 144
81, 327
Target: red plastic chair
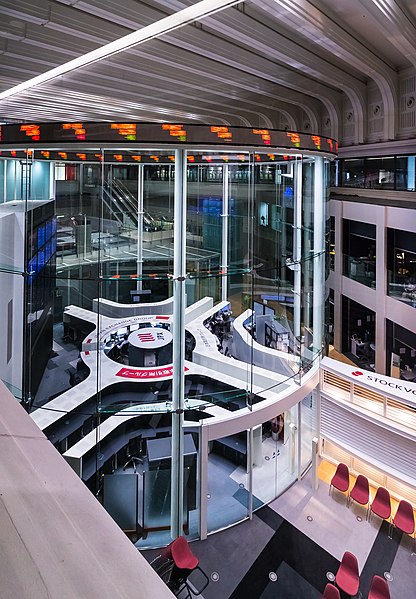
347, 577
404, 519
331, 592
360, 491
381, 505
379, 589
341, 479
175, 564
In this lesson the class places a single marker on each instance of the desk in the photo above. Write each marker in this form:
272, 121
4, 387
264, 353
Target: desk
161, 449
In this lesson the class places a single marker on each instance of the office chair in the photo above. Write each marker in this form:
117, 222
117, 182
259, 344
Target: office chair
175, 564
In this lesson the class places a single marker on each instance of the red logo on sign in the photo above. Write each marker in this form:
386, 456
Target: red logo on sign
356, 373
145, 337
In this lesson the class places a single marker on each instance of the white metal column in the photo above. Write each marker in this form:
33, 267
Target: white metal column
140, 191
318, 252
178, 382
224, 225
297, 250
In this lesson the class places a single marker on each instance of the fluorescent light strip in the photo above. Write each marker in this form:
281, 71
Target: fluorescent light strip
198, 11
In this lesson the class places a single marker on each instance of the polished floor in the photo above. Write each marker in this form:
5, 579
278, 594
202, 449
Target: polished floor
287, 549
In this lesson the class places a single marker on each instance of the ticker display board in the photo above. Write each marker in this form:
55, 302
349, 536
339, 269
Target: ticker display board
33, 134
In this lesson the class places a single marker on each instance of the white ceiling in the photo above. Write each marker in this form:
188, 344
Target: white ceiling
267, 63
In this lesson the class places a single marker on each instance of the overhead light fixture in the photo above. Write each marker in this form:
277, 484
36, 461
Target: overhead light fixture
188, 15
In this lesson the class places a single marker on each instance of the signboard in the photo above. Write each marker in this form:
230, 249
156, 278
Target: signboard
379, 382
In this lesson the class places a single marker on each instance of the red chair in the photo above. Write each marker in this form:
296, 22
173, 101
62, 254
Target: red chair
347, 577
331, 592
379, 589
360, 491
175, 564
381, 505
341, 479
404, 519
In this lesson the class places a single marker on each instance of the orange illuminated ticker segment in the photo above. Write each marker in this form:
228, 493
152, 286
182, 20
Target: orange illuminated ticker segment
137, 158
175, 131
191, 158
32, 131
271, 156
28, 152
172, 158
13, 153
45, 154
155, 158
317, 141
82, 156
118, 157
222, 133
241, 157
127, 130
294, 138
77, 128
63, 155
265, 135
257, 157
99, 156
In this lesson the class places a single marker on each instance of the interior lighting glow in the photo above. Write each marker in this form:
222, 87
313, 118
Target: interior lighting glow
197, 11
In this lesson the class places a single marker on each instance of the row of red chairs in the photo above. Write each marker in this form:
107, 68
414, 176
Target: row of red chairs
404, 518
348, 580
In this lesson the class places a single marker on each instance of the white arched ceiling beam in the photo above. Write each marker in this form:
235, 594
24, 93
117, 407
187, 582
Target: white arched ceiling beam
188, 15
396, 24
322, 28
152, 89
257, 96
202, 43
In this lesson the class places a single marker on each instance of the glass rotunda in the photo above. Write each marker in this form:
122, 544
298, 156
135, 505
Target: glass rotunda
163, 311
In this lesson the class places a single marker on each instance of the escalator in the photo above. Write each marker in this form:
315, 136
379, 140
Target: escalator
123, 206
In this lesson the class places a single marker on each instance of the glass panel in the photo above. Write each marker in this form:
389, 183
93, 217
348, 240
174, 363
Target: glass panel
359, 245
228, 495
309, 427
94, 313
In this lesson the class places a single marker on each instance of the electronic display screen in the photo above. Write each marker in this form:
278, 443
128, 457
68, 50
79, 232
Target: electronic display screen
166, 133
41, 236
41, 260
48, 230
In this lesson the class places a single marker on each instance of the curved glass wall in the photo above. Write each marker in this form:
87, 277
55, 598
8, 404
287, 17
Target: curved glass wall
163, 317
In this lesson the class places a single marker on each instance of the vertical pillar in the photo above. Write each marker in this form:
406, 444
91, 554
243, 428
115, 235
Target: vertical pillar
381, 286
318, 253
178, 382
140, 192
224, 225
297, 250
